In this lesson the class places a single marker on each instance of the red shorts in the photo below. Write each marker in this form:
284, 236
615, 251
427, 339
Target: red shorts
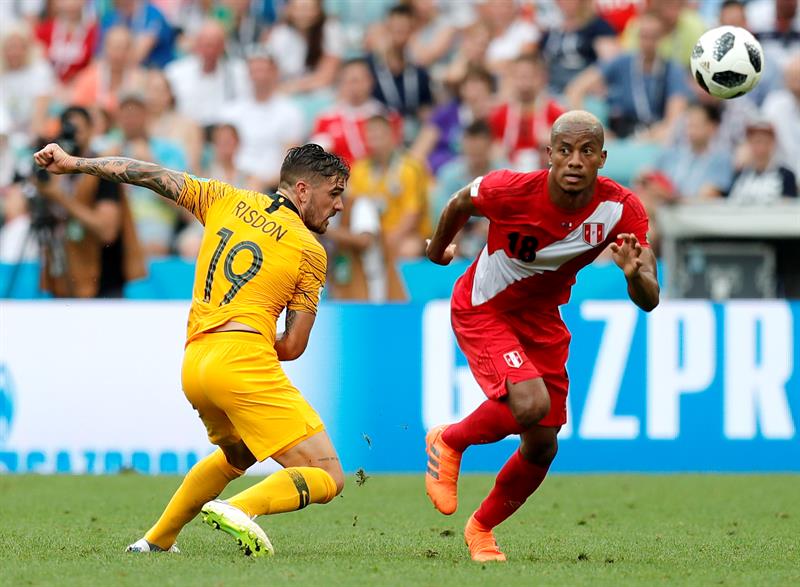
497, 351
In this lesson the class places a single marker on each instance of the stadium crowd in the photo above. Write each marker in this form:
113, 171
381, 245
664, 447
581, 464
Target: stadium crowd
419, 96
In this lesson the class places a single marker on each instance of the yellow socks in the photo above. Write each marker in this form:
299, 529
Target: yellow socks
285, 491
204, 482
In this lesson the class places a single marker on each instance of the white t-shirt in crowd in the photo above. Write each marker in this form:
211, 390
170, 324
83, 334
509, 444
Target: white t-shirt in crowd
365, 219
290, 48
266, 129
19, 90
510, 44
782, 108
201, 96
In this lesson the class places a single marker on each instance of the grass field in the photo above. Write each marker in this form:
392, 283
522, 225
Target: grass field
578, 530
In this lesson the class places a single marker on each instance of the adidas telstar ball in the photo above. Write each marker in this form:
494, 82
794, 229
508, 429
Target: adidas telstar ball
727, 62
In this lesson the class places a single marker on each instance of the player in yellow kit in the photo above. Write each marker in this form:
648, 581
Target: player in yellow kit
258, 256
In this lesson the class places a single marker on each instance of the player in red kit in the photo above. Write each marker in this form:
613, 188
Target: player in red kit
544, 226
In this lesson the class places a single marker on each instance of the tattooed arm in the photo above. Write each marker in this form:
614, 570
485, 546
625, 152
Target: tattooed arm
163, 181
292, 342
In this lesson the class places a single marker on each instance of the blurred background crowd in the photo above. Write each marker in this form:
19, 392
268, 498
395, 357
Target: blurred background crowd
419, 96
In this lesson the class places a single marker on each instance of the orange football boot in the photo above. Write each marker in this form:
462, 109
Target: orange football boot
482, 545
441, 477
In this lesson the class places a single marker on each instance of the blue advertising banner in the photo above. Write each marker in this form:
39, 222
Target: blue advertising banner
692, 386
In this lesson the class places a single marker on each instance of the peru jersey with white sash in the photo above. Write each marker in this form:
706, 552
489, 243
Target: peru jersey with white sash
534, 247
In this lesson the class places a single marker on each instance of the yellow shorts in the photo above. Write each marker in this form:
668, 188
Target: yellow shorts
235, 382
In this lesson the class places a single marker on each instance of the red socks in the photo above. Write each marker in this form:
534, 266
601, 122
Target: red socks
490, 422
517, 480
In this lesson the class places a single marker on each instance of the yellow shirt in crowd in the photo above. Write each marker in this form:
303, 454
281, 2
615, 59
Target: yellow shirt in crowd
399, 190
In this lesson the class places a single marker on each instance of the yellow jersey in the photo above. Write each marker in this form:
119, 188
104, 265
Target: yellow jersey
256, 258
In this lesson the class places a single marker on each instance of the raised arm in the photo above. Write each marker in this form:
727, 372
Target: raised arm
164, 182
455, 215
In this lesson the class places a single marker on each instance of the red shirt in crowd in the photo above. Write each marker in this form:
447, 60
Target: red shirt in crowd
342, 129
69, 52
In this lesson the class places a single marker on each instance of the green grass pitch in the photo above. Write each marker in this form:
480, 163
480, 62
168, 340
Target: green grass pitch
577, 530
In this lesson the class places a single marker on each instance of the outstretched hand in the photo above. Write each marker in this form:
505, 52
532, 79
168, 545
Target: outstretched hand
54, 159
447, 256
627, 256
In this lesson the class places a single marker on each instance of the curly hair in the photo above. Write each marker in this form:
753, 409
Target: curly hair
312, 160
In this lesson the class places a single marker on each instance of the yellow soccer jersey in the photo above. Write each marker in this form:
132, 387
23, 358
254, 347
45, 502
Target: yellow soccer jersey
256, 258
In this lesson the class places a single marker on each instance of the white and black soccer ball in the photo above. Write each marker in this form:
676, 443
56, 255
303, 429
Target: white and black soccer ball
727, 62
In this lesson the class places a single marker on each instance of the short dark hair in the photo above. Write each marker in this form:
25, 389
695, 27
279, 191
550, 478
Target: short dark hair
311, 160
729, 3
479, 128
712, 111
401, 10
71, 111
480, 73
354, 61
225, 126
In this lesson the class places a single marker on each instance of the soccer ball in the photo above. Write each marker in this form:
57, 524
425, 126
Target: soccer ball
727, 62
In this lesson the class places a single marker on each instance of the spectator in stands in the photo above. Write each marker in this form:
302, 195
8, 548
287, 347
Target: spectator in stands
646, 95
582, 39
206, 81
618, 13
155, 217
222, 166
307, 47
475, 161
94, 229
732, 13
225, 145
762, 180
15, 244
511, 35
244, 26
70, 38
401, 85
776, 24
782, 108
27, 84
14, 13
268, 123
342, 128
470, 53
692, 171
434, 35
398, 187
112, 74
521, 125
439, 141
7, 159
154, 36
681, 27
165, 122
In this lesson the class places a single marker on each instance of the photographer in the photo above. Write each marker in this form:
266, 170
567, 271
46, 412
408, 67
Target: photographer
90, 225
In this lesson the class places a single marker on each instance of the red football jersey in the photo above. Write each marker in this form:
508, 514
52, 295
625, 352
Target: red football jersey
536, 248
342, 129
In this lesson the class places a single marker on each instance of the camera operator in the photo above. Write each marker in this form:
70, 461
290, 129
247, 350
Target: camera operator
91, 223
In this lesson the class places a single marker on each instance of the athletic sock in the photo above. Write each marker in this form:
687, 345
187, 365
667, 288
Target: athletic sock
286, 490
491, 421
204, 482
517, 480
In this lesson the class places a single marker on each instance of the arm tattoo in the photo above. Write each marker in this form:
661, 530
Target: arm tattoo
163, 181
290, 316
